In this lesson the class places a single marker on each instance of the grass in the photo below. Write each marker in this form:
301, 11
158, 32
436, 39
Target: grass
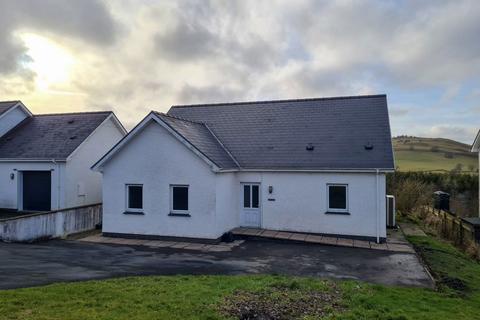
202, 297
429, 154
407, 160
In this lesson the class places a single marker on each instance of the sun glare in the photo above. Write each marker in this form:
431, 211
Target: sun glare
51, 63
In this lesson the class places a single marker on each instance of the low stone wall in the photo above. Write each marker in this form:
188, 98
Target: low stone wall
53, 224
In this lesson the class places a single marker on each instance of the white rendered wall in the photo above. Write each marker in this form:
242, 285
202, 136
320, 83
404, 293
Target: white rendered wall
301, 202
10, 197
156, 159
82, 185
10, 119
227, 204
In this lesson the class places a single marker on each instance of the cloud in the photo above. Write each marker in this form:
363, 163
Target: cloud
398, 111
460, 133
135, 56
186, 43
87, 20
208, 94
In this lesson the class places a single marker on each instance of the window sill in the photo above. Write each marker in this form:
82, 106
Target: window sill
345, 213
177, 214
141, 213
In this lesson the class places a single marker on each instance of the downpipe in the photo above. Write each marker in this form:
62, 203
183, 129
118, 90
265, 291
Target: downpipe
58, 182
377, 205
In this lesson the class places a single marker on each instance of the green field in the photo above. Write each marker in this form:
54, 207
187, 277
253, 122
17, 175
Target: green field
433, 154
237, 297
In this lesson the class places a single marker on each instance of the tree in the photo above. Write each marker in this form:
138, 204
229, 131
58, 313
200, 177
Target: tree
458, 168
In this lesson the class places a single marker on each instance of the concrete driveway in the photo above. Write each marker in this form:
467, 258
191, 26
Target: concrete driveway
24, 265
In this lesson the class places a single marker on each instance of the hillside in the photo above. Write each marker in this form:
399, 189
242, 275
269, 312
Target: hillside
433, 154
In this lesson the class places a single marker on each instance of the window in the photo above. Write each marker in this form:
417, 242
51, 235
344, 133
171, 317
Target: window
134, 197
337, 197
251, 195
179, 199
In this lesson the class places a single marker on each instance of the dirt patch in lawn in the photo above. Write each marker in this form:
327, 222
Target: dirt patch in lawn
454, 283
282, 303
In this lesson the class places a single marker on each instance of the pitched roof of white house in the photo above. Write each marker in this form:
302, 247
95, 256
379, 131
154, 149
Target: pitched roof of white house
200, 136
345, 132
51, 136
339, 133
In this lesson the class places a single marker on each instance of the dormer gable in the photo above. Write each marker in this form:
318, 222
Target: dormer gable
12, 113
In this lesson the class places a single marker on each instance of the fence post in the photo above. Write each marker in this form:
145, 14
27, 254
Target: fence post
461, 233
444, 225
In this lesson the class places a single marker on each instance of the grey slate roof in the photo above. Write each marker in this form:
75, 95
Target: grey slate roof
5, 105
49, 136
274, 134
198, 135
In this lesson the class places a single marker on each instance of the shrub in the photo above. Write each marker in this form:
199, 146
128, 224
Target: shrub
412, 195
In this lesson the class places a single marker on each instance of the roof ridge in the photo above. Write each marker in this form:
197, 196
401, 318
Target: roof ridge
71, 113
179, 118
278, 101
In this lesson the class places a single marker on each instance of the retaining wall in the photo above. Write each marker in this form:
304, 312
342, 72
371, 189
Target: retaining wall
53, 224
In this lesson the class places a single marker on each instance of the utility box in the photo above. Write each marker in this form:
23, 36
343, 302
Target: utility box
441, 200
391, 221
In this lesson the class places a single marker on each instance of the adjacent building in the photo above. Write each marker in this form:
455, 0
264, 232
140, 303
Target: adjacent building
45, 159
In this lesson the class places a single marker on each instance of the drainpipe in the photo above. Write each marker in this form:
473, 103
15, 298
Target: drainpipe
58, 182
377, 206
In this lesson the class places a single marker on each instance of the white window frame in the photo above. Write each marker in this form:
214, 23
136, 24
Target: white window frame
171, 198
127, 208
328, 197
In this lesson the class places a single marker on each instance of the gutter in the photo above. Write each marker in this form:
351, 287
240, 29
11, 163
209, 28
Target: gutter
368, 170
31, 160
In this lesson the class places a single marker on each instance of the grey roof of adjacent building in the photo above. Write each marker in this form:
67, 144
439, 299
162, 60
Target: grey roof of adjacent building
200, 136
345, 132
6, 105
49, 136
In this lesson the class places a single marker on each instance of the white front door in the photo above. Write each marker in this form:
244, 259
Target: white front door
251, 212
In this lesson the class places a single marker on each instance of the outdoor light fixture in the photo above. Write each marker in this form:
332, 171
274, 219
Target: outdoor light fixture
12, 176
270, 189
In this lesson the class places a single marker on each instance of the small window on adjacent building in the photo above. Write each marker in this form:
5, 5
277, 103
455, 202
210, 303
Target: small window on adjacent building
134, 197
179, 198
337, 197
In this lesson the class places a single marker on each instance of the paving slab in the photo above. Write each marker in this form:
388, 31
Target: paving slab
314, 238
252, 232
345, 242
269, 233
400, 247
329, 240
298, 236
194, 246
217, 248
378, 246
179, 245
159, 243
361, 244
410, 229
283, 235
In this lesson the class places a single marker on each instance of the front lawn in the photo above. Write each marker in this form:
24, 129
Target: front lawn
216, 297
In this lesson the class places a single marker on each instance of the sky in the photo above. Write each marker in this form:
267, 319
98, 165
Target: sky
135, 56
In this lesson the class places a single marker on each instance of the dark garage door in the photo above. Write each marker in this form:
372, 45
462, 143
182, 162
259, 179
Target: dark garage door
37, 190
